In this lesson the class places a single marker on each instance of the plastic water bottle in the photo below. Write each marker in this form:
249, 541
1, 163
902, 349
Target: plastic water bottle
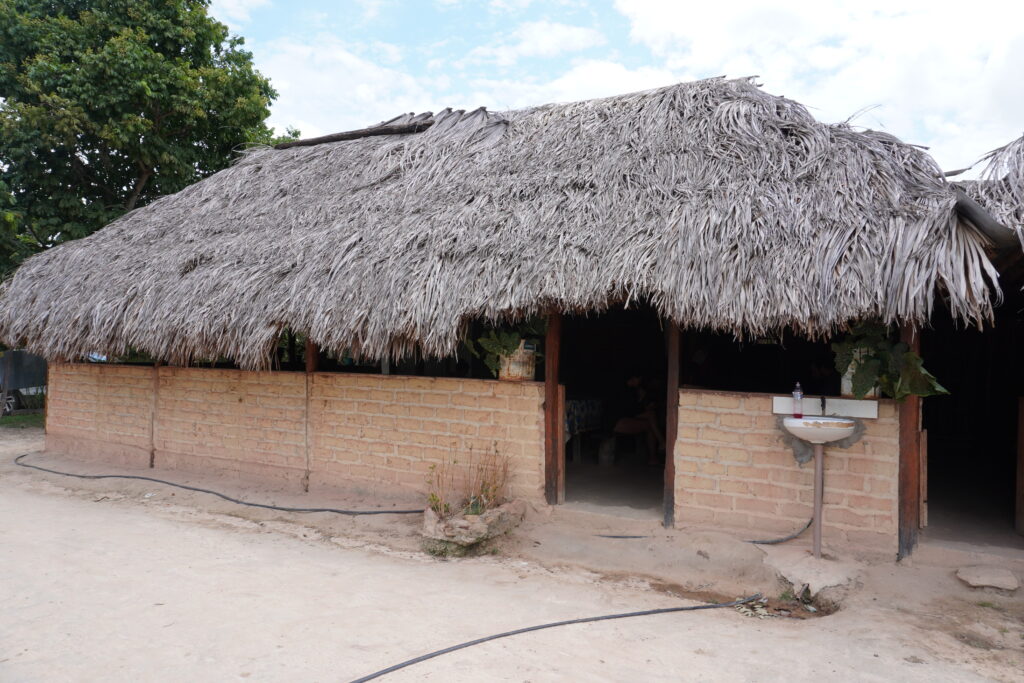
798, 401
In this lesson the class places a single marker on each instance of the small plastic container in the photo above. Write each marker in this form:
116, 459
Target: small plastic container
798, 401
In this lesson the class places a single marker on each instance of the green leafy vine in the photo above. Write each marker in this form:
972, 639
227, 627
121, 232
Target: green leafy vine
878, 361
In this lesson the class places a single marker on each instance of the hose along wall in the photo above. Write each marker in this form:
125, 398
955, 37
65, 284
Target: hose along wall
186, 487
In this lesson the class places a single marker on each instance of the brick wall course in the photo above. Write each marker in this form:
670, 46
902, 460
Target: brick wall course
100, 412
371, 428
733, 471
388, 428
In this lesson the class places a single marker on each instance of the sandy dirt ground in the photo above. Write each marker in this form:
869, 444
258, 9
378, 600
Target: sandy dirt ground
114, 580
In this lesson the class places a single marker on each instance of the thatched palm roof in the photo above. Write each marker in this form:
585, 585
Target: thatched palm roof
1001, 187
726, 207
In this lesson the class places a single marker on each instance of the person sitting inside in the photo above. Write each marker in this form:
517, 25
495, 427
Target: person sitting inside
640, 418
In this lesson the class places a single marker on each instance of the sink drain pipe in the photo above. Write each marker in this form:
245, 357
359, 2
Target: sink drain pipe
819, 495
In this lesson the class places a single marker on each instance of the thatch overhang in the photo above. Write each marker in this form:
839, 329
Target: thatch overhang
999, 194
1000, 189
725, 207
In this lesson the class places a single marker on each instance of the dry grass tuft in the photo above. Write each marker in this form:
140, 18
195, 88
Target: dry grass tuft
472, 487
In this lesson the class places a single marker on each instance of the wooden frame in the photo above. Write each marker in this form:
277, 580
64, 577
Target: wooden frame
671, 424
154, 405
312, 356
554, 417
910, 460
554, 421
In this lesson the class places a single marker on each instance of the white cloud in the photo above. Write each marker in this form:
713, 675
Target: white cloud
371, 8
937, 73
539, 39
235, 12
388, 53
510, 5
324, 86
948, 81
585, 80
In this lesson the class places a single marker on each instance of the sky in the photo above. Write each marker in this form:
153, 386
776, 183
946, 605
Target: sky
943, 75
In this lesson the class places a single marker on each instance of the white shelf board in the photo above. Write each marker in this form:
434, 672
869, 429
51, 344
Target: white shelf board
840, 407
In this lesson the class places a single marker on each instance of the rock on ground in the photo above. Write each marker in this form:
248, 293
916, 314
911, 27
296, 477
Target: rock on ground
467, 530
987, 576
800, 567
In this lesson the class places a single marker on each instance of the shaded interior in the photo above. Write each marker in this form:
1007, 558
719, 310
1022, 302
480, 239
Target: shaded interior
600, 353
972, 432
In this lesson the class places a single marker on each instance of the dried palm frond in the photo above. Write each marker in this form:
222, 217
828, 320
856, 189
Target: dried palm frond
724, 206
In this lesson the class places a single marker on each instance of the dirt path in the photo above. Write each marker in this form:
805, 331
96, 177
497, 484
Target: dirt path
102, 585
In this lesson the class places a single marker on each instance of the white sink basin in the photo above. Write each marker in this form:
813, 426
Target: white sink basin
816, 429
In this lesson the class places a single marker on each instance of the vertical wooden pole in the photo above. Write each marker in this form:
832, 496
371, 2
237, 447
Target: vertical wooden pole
153, 420
923, 494
910, 459
312, 356
552, 430
671, 425
46, 400
312, 363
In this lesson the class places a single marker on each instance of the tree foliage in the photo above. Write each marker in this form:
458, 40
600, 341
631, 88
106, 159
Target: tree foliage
108, 104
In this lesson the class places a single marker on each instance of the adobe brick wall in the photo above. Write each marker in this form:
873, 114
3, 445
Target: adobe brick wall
232, 422
388, 428
371, 428
733, 471
100, 412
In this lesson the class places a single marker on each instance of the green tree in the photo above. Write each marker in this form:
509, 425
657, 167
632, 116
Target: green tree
108, 104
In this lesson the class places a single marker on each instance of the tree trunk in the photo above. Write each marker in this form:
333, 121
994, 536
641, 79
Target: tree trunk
144, 177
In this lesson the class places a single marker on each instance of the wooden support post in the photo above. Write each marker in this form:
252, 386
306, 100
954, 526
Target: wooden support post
910, 459
552, 414
312, 356
671, 425
153, 419
312, 363
46, 400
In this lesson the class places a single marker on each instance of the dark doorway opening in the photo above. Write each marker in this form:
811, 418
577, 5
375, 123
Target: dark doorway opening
613, 366
972, 434
718, 361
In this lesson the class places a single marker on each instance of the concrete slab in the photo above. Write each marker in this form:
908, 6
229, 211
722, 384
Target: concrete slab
799, 566
988, 576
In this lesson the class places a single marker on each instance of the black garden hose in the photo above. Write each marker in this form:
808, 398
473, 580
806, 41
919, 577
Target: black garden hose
265, 506
768, 541
430, 655
528, 629
776, 541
